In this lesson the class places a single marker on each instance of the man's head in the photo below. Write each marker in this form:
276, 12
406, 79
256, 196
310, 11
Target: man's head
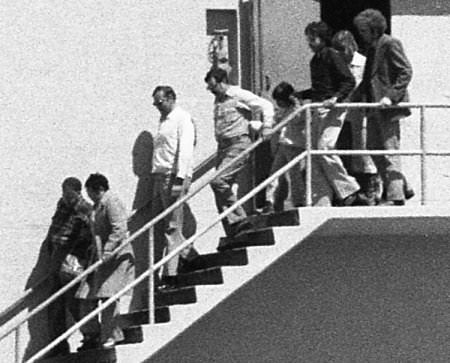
96, 185
164, 99
217, 81
71, 190
371, 25
318, 35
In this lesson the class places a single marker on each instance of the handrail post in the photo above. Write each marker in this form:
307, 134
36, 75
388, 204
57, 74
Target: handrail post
18, 345
423, 157
151, 277
308, 158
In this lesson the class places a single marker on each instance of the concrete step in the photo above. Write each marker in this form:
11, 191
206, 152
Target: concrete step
167, 297
237, 257
210, 276
261, 237
162, 315
88, 356
277, 219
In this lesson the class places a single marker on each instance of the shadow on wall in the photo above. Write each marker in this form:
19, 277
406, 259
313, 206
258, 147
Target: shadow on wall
37, 325
142, 167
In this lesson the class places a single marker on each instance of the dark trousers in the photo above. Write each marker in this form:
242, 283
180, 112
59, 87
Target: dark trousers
222, 186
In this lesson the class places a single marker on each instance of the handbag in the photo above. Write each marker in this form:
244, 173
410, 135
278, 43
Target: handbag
71, 267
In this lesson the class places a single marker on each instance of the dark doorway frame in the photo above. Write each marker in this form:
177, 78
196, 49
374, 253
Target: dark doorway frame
339, 14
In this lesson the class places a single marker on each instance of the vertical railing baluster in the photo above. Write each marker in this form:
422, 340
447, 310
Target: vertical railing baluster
151, 277
423, 157
308, 158
17, 345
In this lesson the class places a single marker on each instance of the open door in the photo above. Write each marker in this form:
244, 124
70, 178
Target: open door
281, 54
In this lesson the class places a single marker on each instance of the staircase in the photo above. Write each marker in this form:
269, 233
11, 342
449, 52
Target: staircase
345, 284
212, 277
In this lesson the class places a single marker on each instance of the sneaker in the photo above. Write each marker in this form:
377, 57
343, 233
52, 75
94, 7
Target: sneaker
110, 343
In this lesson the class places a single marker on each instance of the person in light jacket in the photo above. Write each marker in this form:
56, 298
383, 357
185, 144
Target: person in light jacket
110, 230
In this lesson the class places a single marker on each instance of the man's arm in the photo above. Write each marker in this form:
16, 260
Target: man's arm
397, 59
343, 76
256, 103
186, 135
118, 219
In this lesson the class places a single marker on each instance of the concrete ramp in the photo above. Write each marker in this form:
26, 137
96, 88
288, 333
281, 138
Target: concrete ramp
356, 289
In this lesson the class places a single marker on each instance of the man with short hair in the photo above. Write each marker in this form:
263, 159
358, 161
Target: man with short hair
232, 108
331, 82
172, 166
386, 76
69, 232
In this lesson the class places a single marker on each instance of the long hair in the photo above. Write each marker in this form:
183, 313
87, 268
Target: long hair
344, 41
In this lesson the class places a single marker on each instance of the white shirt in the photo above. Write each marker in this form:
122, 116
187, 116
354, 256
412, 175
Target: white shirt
253, 102
175, 131
357, 67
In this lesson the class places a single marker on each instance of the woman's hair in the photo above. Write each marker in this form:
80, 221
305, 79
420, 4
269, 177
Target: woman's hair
345, 42
96, 182
283, 92
373, 19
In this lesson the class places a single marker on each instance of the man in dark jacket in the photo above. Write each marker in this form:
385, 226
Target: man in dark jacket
69, 232
386, 77
331, 82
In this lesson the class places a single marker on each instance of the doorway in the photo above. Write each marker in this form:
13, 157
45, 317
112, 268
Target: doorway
339, 14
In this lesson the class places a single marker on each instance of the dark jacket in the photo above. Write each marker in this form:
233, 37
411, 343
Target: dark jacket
388, 75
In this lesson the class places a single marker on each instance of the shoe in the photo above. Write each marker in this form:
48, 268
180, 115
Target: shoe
109, 344
268, 208
388, 203
348, 200
168, 282
89, 344
409, 193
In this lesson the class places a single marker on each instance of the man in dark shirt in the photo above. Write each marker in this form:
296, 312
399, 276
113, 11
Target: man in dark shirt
69, 232
331, 82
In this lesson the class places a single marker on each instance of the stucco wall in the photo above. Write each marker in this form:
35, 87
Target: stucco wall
75, 96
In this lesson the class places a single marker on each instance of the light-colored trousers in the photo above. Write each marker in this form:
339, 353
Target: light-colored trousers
327, 124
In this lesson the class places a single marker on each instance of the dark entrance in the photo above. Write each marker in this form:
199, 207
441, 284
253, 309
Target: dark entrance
339, 14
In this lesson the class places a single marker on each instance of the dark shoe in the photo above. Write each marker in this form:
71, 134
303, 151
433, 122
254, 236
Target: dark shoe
89, 344
268, 208
409, 193
347, 201
168, 282
388, 203
239, 227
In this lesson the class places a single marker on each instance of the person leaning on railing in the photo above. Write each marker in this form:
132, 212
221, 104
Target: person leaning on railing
232, 108
69, 233
110, 230
386, 77
331, 82
291, 142
361, 167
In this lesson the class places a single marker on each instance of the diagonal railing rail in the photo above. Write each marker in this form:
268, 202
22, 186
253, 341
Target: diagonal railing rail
20, 304
307, 154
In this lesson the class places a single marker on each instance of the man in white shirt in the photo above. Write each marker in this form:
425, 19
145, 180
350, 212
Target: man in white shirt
232, 112
172, 167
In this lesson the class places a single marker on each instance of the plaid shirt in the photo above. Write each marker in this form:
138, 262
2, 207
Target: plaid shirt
70, 228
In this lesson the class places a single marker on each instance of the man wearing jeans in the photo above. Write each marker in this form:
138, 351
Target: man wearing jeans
232, 108
331, 82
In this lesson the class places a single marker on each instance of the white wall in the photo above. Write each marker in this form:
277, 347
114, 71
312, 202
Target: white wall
425, 42
75, 92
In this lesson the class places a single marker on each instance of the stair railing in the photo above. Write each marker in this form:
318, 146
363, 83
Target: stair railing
307, 154
147, 226
10, 312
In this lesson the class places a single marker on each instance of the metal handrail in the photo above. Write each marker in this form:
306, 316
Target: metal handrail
200, 170
144, 228
249, 195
